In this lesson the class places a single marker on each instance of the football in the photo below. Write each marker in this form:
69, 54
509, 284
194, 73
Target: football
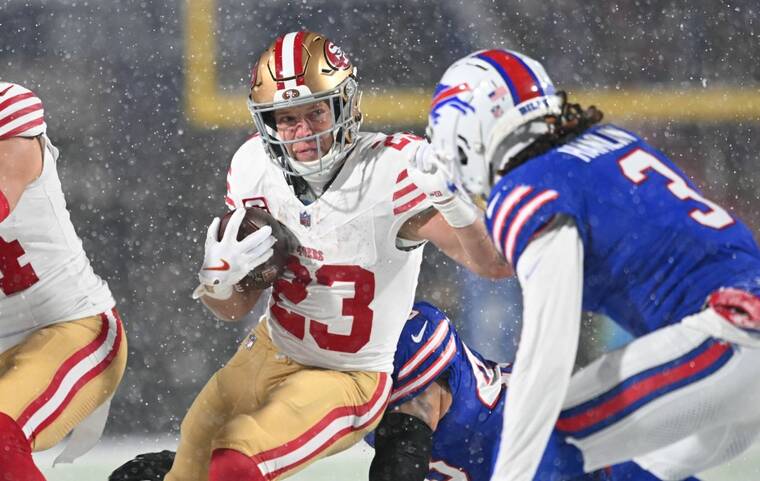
264, 275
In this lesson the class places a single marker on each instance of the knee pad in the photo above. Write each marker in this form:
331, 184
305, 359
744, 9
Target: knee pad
231, 465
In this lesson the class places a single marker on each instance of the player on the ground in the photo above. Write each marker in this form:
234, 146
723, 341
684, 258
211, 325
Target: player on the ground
594, 218
62, 345
444, 418
314, 378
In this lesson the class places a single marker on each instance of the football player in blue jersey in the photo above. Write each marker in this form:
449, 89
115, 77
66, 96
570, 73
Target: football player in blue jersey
443, 422
593, 218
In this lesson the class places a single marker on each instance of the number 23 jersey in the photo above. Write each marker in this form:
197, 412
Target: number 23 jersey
343, 299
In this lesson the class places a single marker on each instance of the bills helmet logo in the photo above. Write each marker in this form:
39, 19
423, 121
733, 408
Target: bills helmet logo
335, 57
449, 95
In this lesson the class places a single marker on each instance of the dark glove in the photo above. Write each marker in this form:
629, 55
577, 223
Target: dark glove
145, 467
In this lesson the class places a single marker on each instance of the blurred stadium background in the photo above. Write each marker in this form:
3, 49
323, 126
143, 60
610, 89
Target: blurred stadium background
146, 100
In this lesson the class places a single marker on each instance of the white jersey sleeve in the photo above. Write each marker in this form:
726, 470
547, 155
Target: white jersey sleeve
246, 184
21, 112
408, 199
550, 271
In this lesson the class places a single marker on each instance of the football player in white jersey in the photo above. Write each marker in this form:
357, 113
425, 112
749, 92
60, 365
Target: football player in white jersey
62, 345
314, 376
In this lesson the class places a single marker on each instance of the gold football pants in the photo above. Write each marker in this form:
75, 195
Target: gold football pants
60, 374
281, 414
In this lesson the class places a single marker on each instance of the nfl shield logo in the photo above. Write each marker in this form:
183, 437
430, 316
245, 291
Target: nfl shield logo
305, 219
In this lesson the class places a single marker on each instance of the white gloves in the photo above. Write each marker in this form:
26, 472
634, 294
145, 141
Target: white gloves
431, 175
227, 261
434, 178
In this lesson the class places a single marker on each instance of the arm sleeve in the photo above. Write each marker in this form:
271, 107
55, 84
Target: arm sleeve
21, 112
407, 198
550, 271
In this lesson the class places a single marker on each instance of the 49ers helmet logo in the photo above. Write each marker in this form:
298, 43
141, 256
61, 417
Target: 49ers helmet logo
290, 94
335, 56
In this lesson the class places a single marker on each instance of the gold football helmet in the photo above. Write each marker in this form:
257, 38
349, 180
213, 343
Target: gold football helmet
301, 68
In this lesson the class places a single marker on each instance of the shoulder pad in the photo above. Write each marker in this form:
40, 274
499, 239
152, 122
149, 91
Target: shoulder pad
247, 168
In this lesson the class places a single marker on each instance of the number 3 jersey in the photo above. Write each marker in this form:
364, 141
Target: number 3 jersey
654, 247
344, 297
46, 276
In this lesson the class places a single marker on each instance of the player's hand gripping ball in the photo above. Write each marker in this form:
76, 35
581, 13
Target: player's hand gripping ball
255, 218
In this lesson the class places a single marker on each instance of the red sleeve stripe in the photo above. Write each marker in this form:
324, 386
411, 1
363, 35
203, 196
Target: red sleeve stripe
403, 175
429, 375
22, 112
29, 129
16, 99
430, 346
403, 191
229, 201
409, 205
522, 217
505, 209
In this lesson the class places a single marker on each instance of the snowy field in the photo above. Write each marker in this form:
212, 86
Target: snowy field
351, 465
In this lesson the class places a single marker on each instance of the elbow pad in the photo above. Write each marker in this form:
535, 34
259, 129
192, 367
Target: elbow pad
402, 449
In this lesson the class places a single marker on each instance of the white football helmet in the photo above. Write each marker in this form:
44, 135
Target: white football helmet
301, 68
480, 101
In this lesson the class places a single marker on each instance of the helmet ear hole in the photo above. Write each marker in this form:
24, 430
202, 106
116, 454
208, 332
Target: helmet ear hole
462, 156
269, 120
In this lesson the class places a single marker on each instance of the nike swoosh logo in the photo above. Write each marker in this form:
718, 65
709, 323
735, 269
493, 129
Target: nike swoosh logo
418, 337
224, 267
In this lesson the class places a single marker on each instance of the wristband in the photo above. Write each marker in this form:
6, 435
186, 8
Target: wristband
458, 212
5, 208
221, 293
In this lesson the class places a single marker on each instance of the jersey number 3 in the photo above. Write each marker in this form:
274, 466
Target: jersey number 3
635, 166
16, 277
356, 307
